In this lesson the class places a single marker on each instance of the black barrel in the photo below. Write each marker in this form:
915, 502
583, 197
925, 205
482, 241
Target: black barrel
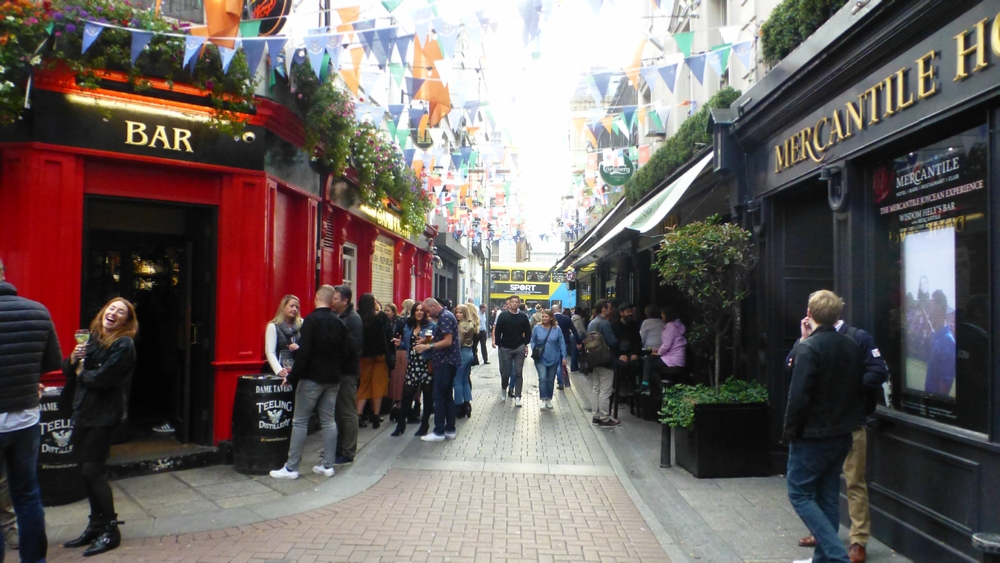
262, 424
59, 476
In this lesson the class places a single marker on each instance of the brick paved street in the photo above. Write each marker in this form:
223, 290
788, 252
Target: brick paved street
518, 484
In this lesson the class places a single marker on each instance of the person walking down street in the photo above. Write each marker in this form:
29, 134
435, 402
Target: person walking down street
29, 347
282, 334
446, 357
397, 377
99, 373
347, 394
549, 352
373, 383
874, 374
823, 412
418, 376
572, 339
468, 328
536, 316
512, 334
315, 374
604, 376
484, 328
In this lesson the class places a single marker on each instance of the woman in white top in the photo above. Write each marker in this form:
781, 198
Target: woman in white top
651, 328
282, 333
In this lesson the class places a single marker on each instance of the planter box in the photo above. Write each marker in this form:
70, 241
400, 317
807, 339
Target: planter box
728, 440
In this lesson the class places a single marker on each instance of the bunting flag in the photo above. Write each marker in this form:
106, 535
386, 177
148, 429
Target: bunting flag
743, 51
139, 41
650, 75
607, 121
644, 153
223, 21
384, 40
718, 59
90, 33
669, 75
368, 82
472, 109
408, 157
395, 111
422, 22
413, 85
193, 43
628, 115
396, 71
730, 33
684, 42
578, 123
663, 116
444, 68
402, 134
529, 10
250, 28
632, 71
697, 66
254, 52
403, 46
601, 82
227, 58
333, 50
275, 46
316, 50
366, 34
447, 36
391, 5
348, 16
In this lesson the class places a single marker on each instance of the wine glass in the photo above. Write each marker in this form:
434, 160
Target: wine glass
287, 360
82, 336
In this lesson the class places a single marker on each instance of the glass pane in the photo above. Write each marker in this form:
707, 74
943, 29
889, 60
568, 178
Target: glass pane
500, 275
517, 275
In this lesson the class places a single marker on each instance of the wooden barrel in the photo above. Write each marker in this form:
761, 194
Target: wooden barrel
262, 424
59, 476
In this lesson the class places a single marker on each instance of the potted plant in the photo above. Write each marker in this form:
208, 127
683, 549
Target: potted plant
720, 432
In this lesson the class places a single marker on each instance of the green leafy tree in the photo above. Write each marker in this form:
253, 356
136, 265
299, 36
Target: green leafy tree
710, 262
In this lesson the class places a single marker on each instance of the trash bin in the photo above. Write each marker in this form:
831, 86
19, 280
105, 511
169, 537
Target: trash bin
59, 476
262, 424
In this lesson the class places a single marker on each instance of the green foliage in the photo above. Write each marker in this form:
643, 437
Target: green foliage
792, 22
710, 262
327, 113
677, 149
679, 400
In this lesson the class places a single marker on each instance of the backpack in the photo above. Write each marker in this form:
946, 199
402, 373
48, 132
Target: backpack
595, 351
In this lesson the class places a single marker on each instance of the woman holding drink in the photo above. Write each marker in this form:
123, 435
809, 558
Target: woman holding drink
100, 370
419, 328
281, 335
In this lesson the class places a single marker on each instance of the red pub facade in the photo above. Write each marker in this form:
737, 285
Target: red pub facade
105, 193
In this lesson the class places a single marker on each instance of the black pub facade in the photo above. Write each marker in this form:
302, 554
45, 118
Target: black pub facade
867, 162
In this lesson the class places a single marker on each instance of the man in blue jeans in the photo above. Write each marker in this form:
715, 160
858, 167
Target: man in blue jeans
824, 409
446, 357
30, 348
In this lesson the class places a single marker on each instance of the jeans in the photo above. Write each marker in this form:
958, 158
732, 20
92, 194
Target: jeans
512, 365
19, 455
603, 379
309, 396
814, 467
347, 416
463, 380
444, 399
574, 363
546, 379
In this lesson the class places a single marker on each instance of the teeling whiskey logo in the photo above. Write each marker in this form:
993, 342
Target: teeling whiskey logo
886, 98
135, 134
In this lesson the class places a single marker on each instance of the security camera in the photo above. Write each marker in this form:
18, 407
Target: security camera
438, 262
249, 137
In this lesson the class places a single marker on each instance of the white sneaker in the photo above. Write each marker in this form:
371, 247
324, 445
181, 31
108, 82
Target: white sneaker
432, 437
164, 428
450, 435
548, 404
284, 473
804, 561
503, 396
517, 401
320, 470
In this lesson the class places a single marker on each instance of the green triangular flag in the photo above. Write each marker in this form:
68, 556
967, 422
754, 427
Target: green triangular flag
723, 51
633, 153
250, 28
401, 134
391, 5
473, 158
271, 80
656, 120
684, 42
324, 72
392, 130
396, 70
614, 125
506, 189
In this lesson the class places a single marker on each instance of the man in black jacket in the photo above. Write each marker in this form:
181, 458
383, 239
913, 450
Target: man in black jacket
29, 347
316, 372
347, 397
823, 412
512, 334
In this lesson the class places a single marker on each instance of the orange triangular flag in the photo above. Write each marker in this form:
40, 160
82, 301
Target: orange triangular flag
578, 123
438, 111
472, 130
357, 55
422, 127
418, 166
632, 71
222, 25
606, 121
348, 16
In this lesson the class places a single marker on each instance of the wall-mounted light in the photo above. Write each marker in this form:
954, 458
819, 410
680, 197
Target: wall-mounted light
836, 191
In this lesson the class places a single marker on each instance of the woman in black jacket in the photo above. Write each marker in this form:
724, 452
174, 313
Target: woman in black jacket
377, 342
99, 373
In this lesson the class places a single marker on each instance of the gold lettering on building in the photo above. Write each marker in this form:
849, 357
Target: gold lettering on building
926, 86
135, 134
979, 48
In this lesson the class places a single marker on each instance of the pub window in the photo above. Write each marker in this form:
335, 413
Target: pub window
500, 275
517, 275
349, 265
933, 271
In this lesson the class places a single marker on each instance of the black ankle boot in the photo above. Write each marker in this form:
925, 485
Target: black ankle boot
109, 539
90, 534
394, 414
400, 428
376, 421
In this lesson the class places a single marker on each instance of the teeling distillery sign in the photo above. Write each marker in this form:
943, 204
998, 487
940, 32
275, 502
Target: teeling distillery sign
914, 79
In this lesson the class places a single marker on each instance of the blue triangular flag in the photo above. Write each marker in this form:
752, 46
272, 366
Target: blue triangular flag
192, 45
403, 43
669, 75
415, 117
473, 108
650, 75
90, 33
253, 49
384, 40
718, 59
529, 10
664, 115
408, 156
743, 51
466, 151
447, 36
456, 160
227, 57
316, 48
366, 33
628, 113
275, 46
697, 66
396, 111
333, 49
139, 41
413, 85
601, 81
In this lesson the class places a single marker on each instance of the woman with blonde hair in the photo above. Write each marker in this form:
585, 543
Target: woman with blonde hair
407, 309
282, 333
99, 375
468, 330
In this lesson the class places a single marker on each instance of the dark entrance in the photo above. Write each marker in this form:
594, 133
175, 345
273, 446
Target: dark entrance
161, 258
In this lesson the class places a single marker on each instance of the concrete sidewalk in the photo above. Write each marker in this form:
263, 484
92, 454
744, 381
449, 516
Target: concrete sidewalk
519, 484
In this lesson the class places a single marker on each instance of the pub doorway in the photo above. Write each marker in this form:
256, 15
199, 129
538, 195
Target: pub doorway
161, 257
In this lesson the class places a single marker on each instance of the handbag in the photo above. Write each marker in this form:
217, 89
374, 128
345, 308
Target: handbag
536, 352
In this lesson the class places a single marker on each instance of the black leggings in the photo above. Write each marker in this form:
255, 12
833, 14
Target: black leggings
93, 444
409, 394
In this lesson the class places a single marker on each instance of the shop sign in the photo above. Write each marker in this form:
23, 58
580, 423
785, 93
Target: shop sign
521, 288
383, 260
618, 171
385, 219
938, 72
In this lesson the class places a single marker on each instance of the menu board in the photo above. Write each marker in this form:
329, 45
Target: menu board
382, 270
